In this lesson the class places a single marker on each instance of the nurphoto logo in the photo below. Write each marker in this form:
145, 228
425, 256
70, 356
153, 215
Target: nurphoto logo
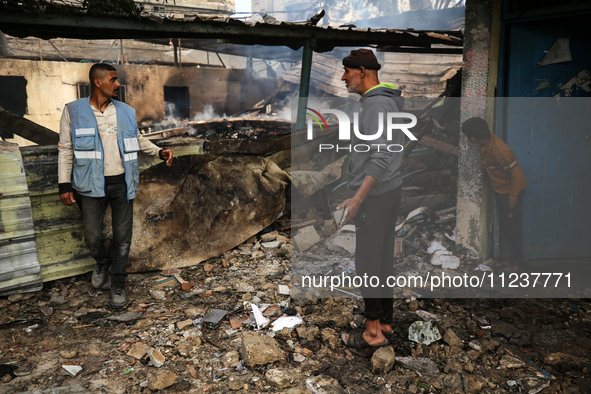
394, 122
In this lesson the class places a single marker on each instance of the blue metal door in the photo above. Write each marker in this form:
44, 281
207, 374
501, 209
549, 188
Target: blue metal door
550, 133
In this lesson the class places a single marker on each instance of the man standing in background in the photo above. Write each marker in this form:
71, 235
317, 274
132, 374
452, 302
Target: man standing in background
507, 181
98, 166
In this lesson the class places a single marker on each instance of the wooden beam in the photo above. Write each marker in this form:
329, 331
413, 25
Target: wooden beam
27, 129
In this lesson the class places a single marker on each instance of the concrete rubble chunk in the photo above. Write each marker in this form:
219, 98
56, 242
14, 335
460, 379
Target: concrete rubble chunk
454, 383
452, 339
185, 323
259, 349
324, 385
124, 317
423, 332
69, 353
161, 380
474, 384
184, 348
280, 379
533, 385
510, 362
427, 316
72, 369
236, 383
156, 358
306, 237
331, 337
420, 364
270, 246
231, 359
340, 242
137, 351
308, 333
560, 358
270, 236
382, 360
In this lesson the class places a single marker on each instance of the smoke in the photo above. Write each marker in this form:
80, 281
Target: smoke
208, 113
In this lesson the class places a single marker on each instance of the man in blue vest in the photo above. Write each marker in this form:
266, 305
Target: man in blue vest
98, 166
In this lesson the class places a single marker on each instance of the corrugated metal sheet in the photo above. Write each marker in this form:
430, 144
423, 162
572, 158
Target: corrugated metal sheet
60, 233
19, 263
416, 74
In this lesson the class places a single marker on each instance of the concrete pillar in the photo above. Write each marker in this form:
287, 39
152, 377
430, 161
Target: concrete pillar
475, 202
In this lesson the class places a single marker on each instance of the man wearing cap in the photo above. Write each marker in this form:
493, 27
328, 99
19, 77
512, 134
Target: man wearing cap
376, 179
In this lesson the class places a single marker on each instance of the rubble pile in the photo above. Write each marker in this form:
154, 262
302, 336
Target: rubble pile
232, 323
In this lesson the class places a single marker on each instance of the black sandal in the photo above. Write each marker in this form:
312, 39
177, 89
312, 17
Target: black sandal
357, 341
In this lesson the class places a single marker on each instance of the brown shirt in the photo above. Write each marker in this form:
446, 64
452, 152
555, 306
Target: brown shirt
502, 167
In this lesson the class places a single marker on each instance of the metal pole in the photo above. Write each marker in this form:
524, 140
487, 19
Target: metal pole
175, 45
304, 83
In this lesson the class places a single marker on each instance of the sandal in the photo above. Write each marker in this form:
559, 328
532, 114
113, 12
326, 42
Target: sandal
360, 320
357, 341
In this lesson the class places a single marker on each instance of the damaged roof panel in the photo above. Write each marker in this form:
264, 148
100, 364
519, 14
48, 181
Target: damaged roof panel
19, 264
428, 78
77, 25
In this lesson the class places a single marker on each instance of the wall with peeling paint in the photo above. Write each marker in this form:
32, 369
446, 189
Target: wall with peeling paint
474, 205
50, 85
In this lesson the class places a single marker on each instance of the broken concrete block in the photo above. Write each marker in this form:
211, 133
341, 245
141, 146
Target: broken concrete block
423, 332
72, 369
270, 246
156, 358
185, 348
259, 349
474, 384
419, 364
236, 383
324, 385
533, 385
331, 337
382, 360
341, 241
137, 351
452, 339
280, 379
308, 333
161, 380
510, 362
69, 353
270, 236
231, 359
183, 324
305, 238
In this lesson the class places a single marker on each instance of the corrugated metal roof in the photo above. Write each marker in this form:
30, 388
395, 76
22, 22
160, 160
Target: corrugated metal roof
19, 264
416, 74
73, 23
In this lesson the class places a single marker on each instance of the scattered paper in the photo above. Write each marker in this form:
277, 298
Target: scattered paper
286, 322
261, 321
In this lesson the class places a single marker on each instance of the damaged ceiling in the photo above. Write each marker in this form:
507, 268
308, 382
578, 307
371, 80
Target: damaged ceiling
72, 22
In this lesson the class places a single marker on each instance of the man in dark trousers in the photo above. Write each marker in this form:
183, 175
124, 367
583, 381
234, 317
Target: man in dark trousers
376, 179
98, 166
507, 181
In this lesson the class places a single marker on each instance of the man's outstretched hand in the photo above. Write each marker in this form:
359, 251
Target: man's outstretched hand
167, 156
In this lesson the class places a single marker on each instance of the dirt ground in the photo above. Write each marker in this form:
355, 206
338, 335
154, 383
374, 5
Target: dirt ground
488, 345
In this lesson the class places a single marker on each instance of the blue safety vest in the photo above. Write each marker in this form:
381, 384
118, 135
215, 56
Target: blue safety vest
88, 175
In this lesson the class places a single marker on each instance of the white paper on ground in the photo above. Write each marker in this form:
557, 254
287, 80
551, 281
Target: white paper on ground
286, 322
260, 320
